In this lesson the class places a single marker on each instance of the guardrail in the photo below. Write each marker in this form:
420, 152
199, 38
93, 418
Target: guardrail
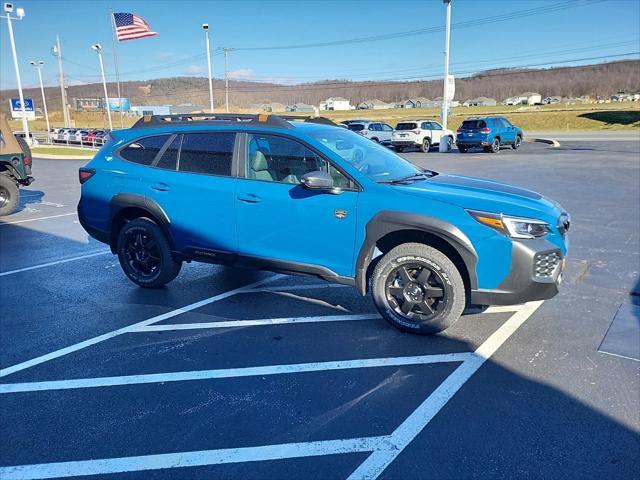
42, 138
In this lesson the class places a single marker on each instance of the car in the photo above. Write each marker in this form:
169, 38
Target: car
99, 137
305, 197
15, 168
377, 131
65, 134
422, 134
489, 133
53, 134
78, 136
353, 120
21, 134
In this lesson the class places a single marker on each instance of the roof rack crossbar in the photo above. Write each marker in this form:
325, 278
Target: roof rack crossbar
281, 121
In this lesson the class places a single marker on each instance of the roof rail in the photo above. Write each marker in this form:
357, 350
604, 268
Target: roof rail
262, 120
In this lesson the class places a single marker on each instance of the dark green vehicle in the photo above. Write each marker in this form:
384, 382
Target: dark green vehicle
15, 168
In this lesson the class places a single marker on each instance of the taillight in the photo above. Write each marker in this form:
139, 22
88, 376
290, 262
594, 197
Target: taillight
485, 130
459, 130
364, 132
417, 132
85, 174
26, 160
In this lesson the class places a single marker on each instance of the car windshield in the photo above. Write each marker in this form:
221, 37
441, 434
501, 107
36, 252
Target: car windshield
473, 124
355, 127
372, 159
406, 126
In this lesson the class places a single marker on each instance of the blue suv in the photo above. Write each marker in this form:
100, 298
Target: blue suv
305, 197
489, 133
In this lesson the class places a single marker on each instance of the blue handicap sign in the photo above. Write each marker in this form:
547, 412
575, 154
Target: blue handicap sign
16, 107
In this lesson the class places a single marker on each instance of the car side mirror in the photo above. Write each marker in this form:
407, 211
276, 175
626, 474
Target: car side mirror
317, 180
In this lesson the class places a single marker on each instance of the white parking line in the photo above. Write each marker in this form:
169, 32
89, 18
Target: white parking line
379, 460
192, 459
286, 288
232, 372
56, 262
39, 218
255, 323
101, 338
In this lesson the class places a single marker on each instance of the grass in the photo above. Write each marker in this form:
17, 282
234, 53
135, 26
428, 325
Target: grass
602, 116
62, 151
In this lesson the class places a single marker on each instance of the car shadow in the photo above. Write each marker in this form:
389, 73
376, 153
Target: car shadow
29, 197
614, 117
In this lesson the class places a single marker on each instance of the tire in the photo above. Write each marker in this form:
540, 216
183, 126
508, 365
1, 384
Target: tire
145, 254
375, 140
400, 276
24, 146
426, 145
449, 144
399, 149
9, 195
495, 146
516, 144
462, 149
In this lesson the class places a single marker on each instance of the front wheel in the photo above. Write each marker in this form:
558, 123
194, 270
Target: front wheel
517, 143
9, 195
426, 145
145, 254
418, 289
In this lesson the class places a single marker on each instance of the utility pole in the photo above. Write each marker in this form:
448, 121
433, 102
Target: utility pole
98, 48
205, 27
447, 34
38, 66
226, 76
57, 52
8, 8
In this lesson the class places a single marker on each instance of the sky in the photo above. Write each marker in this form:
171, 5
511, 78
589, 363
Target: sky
485, 34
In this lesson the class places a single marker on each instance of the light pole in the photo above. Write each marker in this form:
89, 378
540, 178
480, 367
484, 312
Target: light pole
447, 34
226, 76
98, 48
56, 51
38, 66
205, 27
8, 9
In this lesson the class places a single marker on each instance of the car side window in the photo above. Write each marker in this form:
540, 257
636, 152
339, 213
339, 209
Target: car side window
169, 159
144, 150
426, 125
436, 126
283, 160
210, 153
506, 123
386, 128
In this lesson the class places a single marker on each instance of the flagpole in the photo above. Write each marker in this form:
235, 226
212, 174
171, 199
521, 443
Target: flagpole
115, 61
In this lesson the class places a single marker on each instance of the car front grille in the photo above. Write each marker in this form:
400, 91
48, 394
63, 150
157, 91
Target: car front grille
545, 263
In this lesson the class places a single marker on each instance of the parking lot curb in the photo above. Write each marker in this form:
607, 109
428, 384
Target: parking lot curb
48, 156
548, 141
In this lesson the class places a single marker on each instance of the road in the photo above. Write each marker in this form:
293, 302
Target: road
238, 374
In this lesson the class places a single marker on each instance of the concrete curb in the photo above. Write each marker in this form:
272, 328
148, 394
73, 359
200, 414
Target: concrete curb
548, 141
48, 156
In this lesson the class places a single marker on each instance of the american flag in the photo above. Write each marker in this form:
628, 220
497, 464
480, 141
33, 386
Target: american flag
130, 27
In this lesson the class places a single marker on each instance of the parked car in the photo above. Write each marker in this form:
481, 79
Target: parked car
377, 131
65, 134
490, 133
100, 136
21, 134
422, 134
53, 134
267, 193
77, 136
15, 167
353, 120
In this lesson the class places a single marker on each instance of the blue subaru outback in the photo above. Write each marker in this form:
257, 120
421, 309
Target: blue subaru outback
304, 197
490, 133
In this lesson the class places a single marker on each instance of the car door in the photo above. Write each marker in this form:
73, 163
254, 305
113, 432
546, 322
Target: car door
433, 135
286, 225
191, 180
437, 132
509, 131
385, 134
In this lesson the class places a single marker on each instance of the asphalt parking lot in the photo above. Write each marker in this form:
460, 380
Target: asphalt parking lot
237, 374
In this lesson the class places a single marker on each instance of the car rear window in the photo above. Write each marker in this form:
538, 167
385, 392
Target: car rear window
355, 127
209, 153
144, 150
406, 126
473, 124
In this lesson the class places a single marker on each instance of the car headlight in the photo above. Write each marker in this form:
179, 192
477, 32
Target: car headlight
514, 227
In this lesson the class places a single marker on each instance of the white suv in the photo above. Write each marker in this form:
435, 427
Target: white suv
422, 134
376, 131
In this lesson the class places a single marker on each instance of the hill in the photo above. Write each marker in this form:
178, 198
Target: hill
597, 81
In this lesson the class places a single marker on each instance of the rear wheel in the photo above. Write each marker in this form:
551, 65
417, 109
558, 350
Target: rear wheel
9, 195
495, 146
145, 254
426, 145
399, 149
462, 149
418, 289
517, 142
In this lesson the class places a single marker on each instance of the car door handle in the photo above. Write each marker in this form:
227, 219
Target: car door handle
161, 187
249, 198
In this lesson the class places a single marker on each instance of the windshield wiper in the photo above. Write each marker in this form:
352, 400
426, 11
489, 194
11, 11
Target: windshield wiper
414, 177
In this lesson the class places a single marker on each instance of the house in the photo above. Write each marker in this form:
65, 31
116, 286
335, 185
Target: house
300, 107
417, 102
551, 100
335, 103
374, 105
271, 107
480, 102
526, 98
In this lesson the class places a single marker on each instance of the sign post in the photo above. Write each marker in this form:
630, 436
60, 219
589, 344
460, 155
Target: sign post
447, 97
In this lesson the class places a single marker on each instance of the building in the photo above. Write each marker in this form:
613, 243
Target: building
374, 105
417, 102
480, 102
551, 100
335, 103
141, 110
88, 104
271, 107
526, 98
300, 107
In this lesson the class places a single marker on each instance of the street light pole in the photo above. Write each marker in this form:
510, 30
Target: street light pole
98, 48
447, 34
205, 27
57, 52
226, 77
38, 66
8, 8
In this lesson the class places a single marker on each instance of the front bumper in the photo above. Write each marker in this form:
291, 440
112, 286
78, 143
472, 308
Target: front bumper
536, 273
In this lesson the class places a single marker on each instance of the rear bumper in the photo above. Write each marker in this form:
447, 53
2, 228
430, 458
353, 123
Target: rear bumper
524, 283
404, 143
100, 235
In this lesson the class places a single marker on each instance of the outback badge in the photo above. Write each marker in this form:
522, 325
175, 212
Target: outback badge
340, 214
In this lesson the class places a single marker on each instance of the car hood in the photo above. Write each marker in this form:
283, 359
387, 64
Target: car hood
485, 195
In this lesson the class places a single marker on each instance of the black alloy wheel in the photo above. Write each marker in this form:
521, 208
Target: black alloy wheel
142, 255
416, 291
